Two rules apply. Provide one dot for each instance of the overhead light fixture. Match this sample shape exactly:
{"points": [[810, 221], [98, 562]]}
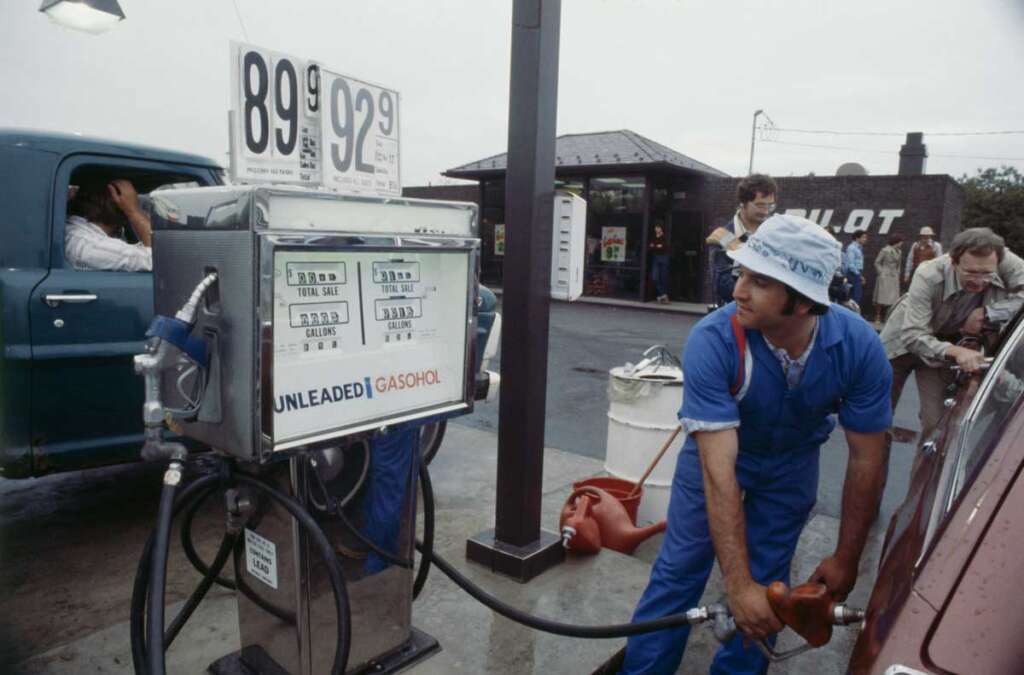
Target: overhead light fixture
{"points": [[91, 16]]}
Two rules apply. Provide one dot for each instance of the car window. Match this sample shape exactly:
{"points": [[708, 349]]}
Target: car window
{"points": [[1000, 394], [145, 182]]}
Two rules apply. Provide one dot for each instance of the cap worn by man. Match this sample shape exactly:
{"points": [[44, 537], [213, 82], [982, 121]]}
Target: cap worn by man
{"points": [[795, 251]]}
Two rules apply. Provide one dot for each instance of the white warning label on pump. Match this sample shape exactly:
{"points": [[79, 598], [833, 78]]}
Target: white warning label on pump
{"points": [[261, 558]]}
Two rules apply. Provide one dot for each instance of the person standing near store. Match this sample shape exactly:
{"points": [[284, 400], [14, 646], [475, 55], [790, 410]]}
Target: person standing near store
{"points": [[978, 283], [887, 276], [763, 380], [853, 265], [922, 250], [756, 197], [658, 247]]}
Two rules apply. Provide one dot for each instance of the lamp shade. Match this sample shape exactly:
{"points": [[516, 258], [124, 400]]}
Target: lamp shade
{"points": [[91, 16]]}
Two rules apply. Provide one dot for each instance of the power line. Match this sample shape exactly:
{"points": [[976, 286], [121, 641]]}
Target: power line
{"points": [[238, 13], [827, 147], [1000, 159], [893, 133], [889, 152]]}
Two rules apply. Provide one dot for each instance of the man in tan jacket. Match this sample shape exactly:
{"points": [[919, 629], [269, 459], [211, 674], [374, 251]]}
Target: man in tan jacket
{"points": [[978, 283]]}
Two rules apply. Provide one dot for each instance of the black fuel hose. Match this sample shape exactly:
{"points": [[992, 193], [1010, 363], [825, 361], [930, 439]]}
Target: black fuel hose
{"points": [[198, 491], [333, 565], [189, 547], [334, 506], [140, 587], [428, 556], [158, 567], [227, 545], [427, 551], [238, 584], [282, 615]]}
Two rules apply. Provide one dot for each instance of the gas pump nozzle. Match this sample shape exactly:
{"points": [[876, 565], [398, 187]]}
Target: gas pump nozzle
{"points": [[807, 609], [163, 334]]}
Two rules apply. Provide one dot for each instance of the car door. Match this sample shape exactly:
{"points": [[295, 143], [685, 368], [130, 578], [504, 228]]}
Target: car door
{"points": [[86, 327]]}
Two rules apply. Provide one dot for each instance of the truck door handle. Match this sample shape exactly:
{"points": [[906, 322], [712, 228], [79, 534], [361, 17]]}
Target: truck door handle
{"points": [[54, 299]]}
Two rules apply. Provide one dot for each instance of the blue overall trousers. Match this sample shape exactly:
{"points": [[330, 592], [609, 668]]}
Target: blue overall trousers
{"points": [[779, 492], [394, 463], [780, 431]]}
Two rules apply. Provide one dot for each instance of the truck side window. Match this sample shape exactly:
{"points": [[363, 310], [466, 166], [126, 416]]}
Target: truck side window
{"points": [[108, 217]]}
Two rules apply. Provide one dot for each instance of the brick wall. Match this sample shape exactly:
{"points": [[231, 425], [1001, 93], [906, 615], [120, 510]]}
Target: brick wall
{"points": [[469, 192], [883, 204]]}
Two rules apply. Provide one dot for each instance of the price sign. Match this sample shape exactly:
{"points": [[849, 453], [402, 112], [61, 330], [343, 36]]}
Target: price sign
{"points": [[360, 136], [277, 117], [296, 122]]}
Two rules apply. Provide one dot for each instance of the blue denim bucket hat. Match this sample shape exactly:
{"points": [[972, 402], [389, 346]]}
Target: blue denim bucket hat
{"points": [[795, 251]]}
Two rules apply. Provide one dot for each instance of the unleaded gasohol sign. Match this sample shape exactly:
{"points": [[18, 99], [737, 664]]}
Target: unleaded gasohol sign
{"points": [[298, 123]]}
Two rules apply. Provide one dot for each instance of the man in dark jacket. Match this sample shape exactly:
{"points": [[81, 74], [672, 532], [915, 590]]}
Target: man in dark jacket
{"points": [[756, 197]]}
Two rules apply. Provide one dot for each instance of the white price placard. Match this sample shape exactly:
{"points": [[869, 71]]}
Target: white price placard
{"points": [[277, 105], [299, 123], [360, 137]]}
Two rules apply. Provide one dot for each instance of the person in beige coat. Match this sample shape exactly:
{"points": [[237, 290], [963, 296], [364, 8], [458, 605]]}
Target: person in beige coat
{"points": [[977, 284], [887, 276]]}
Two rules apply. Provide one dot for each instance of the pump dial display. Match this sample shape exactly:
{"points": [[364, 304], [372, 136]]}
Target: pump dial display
{"points": [[398, 308], [318, 314], [315, 273], [396, 272]]}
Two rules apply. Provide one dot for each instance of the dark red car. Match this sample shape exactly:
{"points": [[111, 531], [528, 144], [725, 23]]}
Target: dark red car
{"points": [[950, 591]]}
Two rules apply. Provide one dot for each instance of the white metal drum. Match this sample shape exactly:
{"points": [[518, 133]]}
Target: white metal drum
{"points": [[642, 414]]}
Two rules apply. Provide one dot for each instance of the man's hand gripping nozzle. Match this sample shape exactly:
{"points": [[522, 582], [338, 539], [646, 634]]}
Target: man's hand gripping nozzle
{"points": [[806, 608]]}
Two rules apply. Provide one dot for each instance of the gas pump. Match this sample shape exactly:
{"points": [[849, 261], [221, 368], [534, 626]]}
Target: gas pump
{"points": [[317, 333], [306, 337]]}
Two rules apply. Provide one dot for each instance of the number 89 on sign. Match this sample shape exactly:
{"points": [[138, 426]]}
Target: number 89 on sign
{"points": [[278, 107]]}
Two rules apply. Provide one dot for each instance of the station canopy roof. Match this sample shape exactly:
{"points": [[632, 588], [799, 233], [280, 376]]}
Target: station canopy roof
{"points": [[602, 151]]}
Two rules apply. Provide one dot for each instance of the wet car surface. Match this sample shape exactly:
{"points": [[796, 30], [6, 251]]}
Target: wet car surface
{"points": [[947, 598]]}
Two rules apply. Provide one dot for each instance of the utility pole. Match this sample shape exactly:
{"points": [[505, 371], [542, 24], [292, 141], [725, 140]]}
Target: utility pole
{"points": [[753, 131]]}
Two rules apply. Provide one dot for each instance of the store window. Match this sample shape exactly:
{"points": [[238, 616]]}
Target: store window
{"points": [[492, 233], [573, 184], [615, 218]]}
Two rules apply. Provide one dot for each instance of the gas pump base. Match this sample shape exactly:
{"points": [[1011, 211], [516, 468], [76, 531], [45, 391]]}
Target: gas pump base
{"points": [[521, 563], [254, 661]]}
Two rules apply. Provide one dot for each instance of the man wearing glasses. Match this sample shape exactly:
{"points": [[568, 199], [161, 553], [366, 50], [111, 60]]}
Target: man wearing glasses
{"points": [[756, 197], [976, 285]]}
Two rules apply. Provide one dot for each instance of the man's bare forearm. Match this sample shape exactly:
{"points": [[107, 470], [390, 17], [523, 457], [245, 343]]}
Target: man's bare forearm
{"points": [[142, 226], [718, 450], [862, 492]]}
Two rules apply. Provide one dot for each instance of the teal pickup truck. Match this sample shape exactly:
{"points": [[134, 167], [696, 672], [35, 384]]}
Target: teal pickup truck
{"points": [[69, 397]]}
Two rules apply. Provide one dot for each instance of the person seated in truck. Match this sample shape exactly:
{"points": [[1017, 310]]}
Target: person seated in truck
{"points": [[98, 213]]}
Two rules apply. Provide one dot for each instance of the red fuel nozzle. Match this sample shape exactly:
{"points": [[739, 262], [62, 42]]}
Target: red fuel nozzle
{"points": [[810, 611]]}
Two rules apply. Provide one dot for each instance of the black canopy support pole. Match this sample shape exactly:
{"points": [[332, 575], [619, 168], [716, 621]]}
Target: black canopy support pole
{"points": [[517, 546]]}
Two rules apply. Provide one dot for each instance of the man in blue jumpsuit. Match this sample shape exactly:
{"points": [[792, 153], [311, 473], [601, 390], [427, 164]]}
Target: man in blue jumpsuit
{"points": [[763, 378]]}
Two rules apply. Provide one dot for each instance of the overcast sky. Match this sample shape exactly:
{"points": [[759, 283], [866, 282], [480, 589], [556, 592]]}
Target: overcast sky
{"points": [[688, 74]]}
